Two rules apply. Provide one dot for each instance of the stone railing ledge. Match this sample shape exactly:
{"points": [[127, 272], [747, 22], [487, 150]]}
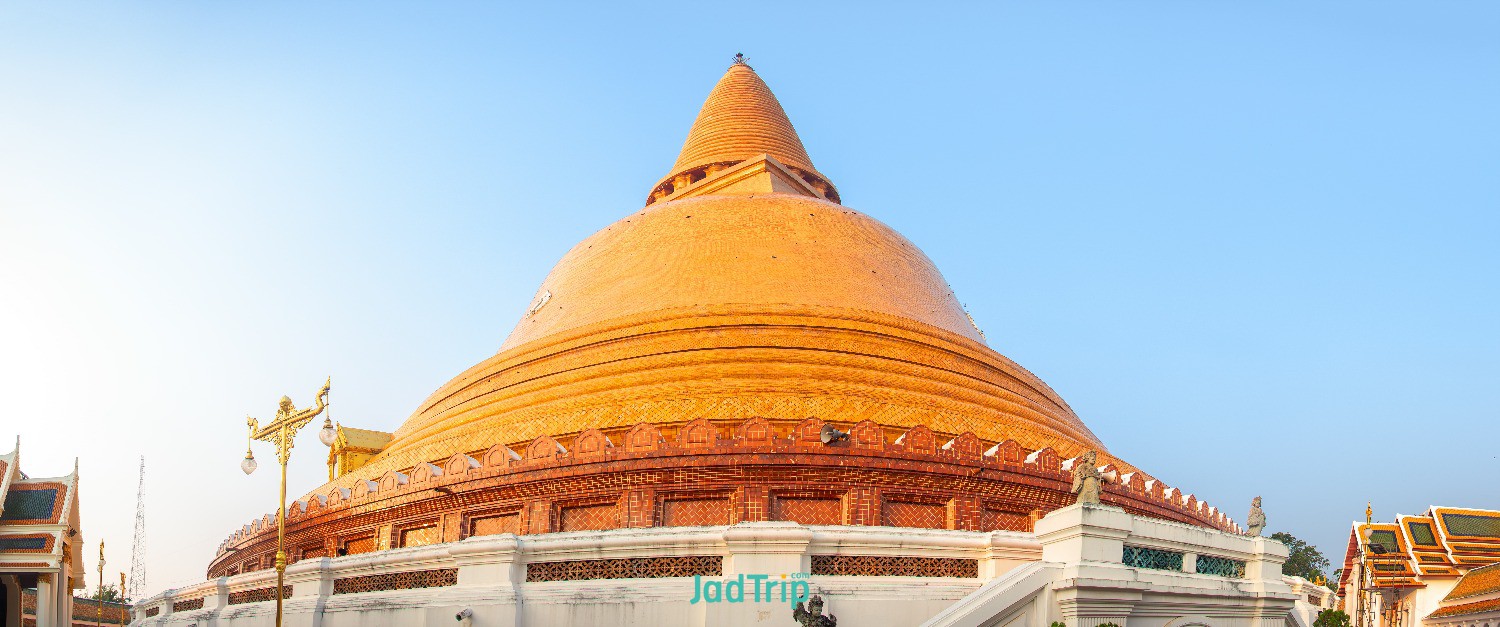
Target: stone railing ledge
{"points": [[493, 561], [393, 560], [767, 547], [773, 533], [898, 540], [473, 546], [624, 543]]}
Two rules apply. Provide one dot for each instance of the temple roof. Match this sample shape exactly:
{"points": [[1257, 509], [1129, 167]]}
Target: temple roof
{"points": [[1477, 592], [38, 520], [364, 440], [1443, 542], [1480, 581]]}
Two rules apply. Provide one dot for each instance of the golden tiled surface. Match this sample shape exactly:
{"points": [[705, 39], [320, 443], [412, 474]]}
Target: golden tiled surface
{"points": [[774, 249], [360, 545], [734, 362], [741, 119], [421, 536]]}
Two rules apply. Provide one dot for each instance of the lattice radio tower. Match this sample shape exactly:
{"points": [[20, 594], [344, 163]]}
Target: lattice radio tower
{"points": [[138, 546]]}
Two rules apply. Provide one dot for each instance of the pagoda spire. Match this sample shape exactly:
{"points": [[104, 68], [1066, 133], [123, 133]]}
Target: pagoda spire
{"points": [[740, 120]]}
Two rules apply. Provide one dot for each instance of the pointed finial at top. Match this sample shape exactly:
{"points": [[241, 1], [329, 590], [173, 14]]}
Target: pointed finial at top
{"points": [[740, 120], [1369, 512]]}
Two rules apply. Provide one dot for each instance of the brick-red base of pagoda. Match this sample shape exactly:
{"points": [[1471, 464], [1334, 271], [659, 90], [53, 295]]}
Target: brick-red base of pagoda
{"points": [[696, 481]]}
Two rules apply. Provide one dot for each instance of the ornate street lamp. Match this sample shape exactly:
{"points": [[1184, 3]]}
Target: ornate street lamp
{"points": [[289, 420], [99, 600], [124, 608]]}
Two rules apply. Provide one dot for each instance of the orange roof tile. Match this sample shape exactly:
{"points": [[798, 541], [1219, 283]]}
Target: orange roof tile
{"points": [[1483, 580], [1466, 608]]}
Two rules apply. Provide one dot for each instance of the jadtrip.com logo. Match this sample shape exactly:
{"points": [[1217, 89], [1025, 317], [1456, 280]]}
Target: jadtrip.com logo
{"points": [[789, 588]]}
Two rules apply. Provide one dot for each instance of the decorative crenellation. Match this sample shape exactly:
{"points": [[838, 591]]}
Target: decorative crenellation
{"points": [[627, 568], [1152, 559], [258, 595], [687, 179], [408, 580], [188, 605], [758, 437], [893, 566], [1221, 566]]}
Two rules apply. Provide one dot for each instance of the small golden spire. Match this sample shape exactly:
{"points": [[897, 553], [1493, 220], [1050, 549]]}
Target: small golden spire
{"points": [[740, 120], [1369, 512]]}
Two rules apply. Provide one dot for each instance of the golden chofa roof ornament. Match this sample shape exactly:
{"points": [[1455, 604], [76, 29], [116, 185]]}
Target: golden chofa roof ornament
{"points": [[740, 124]]}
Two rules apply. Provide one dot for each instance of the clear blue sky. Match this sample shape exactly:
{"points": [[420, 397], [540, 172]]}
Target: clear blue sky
{"points": [[1253, 244]]}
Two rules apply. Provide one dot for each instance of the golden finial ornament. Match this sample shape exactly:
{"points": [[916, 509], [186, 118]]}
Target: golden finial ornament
{"points": [[1369, 512]]}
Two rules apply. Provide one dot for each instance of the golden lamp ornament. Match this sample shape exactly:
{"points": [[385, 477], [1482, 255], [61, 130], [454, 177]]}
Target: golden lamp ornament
{"points": [[281, 432]]}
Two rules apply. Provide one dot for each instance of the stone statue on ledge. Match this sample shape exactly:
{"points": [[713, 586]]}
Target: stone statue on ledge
{"points": [[813, 615], [1256, 521], [1087, 479]]}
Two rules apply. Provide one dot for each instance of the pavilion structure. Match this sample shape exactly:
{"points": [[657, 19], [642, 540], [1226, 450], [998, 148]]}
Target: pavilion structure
{"points": [[41, 560], [1437, 567], [744, 378]]}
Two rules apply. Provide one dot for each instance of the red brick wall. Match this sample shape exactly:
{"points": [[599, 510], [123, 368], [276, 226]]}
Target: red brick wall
{"points": [[711, 475], [807, 510], [695, 512], [493, 525]]}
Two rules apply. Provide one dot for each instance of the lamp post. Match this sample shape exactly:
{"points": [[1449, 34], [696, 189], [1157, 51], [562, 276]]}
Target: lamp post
{"points": [[280, 433], [99, 598], [124, 609]]}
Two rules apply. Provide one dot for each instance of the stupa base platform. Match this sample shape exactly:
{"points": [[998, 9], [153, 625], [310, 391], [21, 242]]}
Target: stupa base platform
{"points": [[1082, 566]]}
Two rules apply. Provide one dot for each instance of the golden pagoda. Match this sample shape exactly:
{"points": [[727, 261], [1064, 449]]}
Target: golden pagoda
{"points": [[743, 348]]}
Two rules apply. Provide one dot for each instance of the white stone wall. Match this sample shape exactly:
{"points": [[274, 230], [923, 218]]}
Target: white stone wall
{"points": [[1069, 571]]}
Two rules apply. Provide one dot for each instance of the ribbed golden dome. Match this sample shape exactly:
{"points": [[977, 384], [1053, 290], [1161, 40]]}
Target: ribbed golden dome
{"points": [[724, 301], [779, 249]]}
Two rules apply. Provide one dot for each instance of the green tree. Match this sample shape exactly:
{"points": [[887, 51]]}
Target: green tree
{"points": [[109, 594], [1331, 618], [1305, 560]]}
